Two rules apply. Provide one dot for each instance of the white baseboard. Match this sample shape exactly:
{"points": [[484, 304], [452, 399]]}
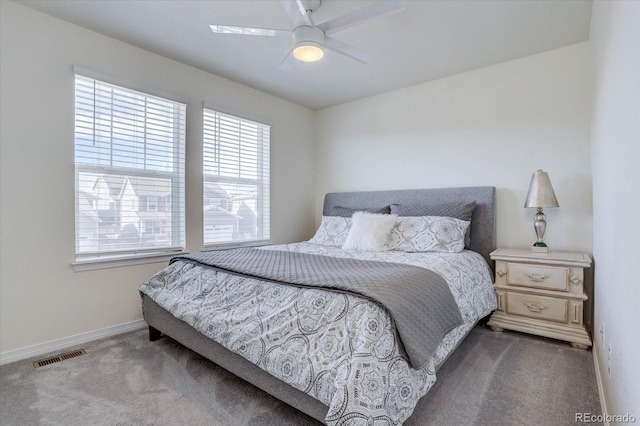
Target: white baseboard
{"points": [[67, 342], [603, 401]]}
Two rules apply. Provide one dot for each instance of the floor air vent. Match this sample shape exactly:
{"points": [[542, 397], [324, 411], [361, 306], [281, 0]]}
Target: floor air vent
{"points": [[58, 358]]}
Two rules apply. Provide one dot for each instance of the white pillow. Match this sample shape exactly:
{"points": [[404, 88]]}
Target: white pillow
{"points": [[369, 231], [428, 233], [333, 231]]}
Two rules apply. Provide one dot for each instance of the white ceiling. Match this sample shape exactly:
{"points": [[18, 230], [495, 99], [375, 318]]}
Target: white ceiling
{"points": [[427, 40]]}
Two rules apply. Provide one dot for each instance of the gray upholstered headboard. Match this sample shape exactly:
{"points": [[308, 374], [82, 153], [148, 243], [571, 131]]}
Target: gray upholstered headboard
{"points": [[483, 234]]}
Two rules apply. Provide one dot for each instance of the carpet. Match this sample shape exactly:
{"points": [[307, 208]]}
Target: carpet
{"points": [[492, 379]]}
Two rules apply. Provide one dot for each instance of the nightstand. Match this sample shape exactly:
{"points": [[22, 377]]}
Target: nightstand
{"points": [[541, 293]]}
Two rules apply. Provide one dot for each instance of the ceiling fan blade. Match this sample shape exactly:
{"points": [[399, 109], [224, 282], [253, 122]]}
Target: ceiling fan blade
{"points": [[228, 29], [288, 61], [347, 50], [293, 10], [306, 18], [360, 16], [296, 11]]}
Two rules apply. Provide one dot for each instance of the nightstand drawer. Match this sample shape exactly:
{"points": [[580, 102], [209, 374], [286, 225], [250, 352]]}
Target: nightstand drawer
{"points": [[533, 306], [547, 277]]}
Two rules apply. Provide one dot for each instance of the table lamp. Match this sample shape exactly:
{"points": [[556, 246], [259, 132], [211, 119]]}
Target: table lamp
{"points": [[540, 195]]}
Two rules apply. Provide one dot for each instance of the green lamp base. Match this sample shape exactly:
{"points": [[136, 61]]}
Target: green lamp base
{"points": [[539, 247]]}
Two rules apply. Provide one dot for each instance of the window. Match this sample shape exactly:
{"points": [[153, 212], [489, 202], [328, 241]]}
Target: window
{"points": [[236, 180], [129, 155], [152, 204]]}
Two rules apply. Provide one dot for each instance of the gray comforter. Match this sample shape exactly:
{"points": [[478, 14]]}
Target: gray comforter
{"points": [[419, 300]]}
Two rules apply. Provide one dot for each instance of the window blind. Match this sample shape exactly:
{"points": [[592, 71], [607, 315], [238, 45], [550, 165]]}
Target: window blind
{"points": [[129, 168], [236, 180]]}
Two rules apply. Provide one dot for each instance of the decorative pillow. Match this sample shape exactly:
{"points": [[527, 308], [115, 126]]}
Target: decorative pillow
{"points": [[462, 211], [428, 233], [369, 231], [348, 211], [333, 231]]}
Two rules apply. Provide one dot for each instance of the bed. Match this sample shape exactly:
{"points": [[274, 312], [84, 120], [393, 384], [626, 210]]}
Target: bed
{"points": [[300, 343]]}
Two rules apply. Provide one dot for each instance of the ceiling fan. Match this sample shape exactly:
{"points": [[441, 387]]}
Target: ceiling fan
{"points": [[310, 40]]}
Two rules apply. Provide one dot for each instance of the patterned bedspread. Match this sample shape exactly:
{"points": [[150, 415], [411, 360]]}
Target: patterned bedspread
{"points": [[339, 348], [420, 302]]}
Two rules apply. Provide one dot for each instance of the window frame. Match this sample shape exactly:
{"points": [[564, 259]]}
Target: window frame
{"points": [[263, 188], [89, 260]]}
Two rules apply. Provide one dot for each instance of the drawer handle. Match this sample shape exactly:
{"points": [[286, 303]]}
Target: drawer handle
{"points": [[536, 277], [534, 307]]}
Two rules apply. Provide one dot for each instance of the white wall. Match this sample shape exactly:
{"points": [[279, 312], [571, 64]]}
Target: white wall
{"points": [[615, 131], [42, 298], [493, 126]]}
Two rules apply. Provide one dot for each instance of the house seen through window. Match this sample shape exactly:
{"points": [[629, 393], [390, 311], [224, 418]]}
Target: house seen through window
{"points": [[129, 162], [236, 180]]}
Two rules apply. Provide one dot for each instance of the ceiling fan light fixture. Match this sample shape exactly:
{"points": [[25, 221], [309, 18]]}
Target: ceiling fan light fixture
{"points": [[308, 51], [308, 43]]}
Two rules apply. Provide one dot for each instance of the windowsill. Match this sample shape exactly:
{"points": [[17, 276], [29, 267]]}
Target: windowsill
{"points": [[104, 262], [226, 246]]}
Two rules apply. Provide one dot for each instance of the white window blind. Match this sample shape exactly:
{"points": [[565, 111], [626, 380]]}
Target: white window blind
{"points": [[236, 180], [129, 165]]}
